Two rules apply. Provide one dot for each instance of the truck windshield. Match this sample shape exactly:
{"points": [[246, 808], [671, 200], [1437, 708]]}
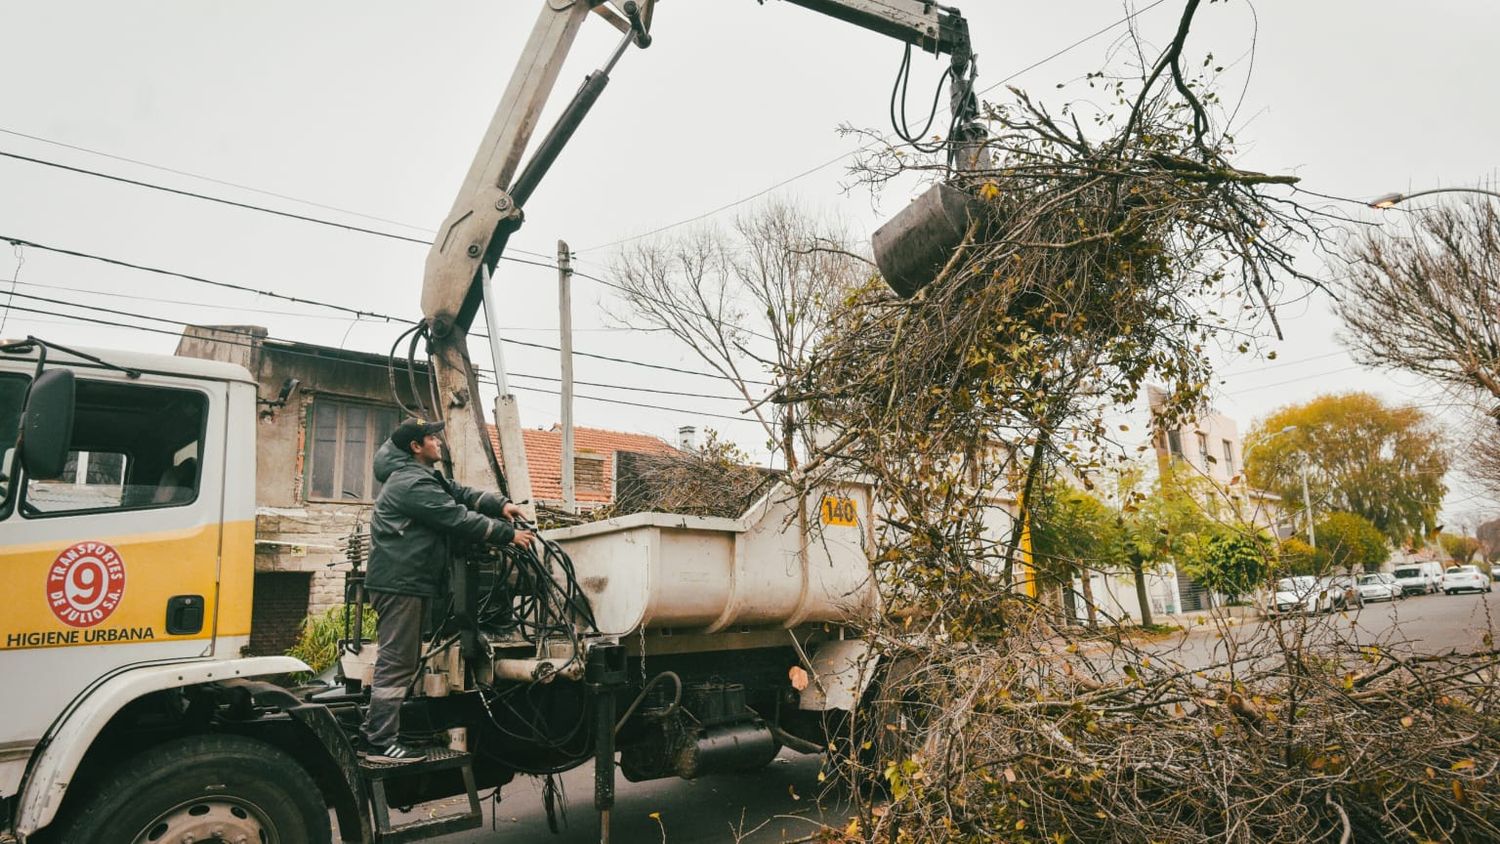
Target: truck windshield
{"points": [[1406, 572]]}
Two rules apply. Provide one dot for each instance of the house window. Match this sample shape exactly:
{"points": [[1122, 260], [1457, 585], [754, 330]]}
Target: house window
{"points": [[1203, 449], [1174, 443], [343, 439], [588, 473], [1228, 457]]}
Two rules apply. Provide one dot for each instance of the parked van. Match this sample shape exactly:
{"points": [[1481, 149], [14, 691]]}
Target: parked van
{"points": [[1422, 578]]}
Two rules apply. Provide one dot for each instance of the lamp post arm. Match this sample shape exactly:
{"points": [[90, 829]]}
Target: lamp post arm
{"points": [[1392, 199]]}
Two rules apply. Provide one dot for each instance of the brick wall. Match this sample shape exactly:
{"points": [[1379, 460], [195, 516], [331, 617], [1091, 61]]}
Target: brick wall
{"points": [[276, 616]]}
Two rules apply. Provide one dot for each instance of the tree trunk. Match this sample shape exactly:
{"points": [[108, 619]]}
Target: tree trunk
{"points": [[1140, 594], [1087, 578]]}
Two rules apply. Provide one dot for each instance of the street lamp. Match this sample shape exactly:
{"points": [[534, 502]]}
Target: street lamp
{"points": [[1390, 200], [1312, 536]]}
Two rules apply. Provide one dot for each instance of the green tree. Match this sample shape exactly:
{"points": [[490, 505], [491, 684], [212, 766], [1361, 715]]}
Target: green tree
{"points": [[1233, 562], [1170, 523], [1352, 543], [1460, 549], [1363, 456], [1297, 557], [1075, 534]]}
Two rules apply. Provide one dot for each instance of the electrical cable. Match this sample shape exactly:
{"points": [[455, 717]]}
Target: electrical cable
{"points": [[832, 161], [178, 335], [254, 336], [358, 313]]}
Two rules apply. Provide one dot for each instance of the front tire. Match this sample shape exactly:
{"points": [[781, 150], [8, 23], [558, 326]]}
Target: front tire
{"points": [[209, 787]]}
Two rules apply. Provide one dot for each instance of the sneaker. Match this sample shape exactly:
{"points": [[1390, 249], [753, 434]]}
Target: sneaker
{"points": [[363, 748], [397, 753]]}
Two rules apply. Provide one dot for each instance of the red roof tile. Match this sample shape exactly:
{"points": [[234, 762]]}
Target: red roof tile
{"points": [[544, 458]]}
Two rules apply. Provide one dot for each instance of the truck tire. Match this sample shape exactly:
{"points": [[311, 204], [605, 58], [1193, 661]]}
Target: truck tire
{"points": [[212, 787]]}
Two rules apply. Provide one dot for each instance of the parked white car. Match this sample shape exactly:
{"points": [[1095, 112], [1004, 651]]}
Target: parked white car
{"points": [[1303, 593], [1466, 579], [1419, 578], [1380, 587]]}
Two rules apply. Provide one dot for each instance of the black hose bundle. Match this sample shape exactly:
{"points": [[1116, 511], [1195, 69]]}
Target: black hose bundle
{"points": [[536, 596]]}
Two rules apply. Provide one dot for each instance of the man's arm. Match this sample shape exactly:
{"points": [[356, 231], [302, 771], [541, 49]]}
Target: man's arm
{"points": [[491, 504], [427, 502]]}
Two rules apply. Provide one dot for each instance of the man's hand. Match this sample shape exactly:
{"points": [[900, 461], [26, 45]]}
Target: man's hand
{"points": [[511, 511], [523, 538]]}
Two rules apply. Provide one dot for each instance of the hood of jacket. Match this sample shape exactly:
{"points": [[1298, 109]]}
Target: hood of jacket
{"points": [[389, 459]]}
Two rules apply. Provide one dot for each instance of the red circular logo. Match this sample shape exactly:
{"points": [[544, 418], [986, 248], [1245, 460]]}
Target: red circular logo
{"points": [[85, 584]]}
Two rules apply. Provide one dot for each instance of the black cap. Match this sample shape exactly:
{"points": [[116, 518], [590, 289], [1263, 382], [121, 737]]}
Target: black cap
{"points": [[413, 430]]}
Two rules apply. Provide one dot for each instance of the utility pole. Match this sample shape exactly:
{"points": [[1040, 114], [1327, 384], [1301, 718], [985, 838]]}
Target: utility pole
{"points": [[565, 321], [507, 412], [1312, 536]]}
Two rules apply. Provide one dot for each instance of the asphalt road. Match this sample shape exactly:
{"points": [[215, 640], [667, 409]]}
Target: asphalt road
{"points": [[780, 803], [1428, 624], [777, 803]]}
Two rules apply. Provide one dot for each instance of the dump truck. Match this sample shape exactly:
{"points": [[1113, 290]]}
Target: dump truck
{"points": [[659, 644]]}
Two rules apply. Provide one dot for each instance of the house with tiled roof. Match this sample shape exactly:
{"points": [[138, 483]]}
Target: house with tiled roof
{"points": [[595, 459]]}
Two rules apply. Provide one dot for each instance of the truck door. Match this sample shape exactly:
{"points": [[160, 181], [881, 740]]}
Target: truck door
{"points": [[115, 561]]}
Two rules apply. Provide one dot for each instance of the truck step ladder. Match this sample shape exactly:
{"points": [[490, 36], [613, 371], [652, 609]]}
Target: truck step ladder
{"points": [[376, 774]]}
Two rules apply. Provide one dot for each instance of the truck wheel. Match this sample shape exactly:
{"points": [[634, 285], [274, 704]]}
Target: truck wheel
{"points": [[203, 788]]}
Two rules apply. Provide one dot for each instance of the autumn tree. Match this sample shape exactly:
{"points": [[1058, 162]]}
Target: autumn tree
{"points": [[1459, 548], [1296, 557], [1383, 462], [1352, 543]]}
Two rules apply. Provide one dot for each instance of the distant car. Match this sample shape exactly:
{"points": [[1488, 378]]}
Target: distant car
{"points": [[1466, 579], [1380, 587], [1495, 572], [1301, 594], [1343, 592], [1419, 578]]}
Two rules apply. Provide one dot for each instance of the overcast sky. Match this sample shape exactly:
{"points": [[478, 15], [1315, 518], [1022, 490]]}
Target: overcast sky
{"points": [[376, 108]]}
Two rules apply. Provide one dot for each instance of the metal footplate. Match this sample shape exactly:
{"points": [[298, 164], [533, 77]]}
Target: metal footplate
{"points": [[376, 774]]}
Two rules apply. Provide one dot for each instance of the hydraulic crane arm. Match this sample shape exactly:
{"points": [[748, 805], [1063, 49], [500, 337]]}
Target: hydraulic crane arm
{"points": [[488, 208]]}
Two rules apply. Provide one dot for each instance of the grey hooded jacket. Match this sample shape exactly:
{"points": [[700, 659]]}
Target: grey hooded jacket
{"points": [[417, 515]]}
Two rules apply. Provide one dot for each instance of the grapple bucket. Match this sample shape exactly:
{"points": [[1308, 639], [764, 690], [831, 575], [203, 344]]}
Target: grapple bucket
{"points": [[913, 246]]}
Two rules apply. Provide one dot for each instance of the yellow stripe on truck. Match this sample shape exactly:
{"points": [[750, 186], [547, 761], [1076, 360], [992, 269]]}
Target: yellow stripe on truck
{"points": [[114, 589]]}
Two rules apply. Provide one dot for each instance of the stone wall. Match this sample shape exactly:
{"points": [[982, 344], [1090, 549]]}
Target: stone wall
{"points": [[309, 539]]}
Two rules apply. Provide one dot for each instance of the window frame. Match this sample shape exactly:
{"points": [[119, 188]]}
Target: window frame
{"points": [[15, 482], [373, 444], [202, 439]]}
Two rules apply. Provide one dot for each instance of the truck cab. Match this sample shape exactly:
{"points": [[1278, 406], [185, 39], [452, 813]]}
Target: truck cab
{"points": [[129, 561]]}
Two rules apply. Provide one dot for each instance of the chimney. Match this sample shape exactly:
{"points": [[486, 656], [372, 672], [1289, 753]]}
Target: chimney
{"points": [[687, 438]]}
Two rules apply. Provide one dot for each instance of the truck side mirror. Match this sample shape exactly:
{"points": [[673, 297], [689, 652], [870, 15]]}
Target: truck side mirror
{"points": [[47, 424]]}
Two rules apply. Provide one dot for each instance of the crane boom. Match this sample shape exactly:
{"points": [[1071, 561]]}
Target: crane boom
{"points": [[489, 205]]}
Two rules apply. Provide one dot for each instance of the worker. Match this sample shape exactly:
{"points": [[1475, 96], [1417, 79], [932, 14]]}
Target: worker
{"points": [[417, 515]]}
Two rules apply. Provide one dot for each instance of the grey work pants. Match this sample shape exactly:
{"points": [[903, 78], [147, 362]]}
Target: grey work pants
{"points": [[399, 634]]}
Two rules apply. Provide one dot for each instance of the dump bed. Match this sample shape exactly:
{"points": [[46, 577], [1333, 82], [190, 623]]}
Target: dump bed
{"points": [[706, 575]]}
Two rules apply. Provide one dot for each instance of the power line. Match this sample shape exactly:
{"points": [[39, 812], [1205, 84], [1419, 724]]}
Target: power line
{"points": [[151, 318], [242, 309], [223, 182], [545, 264], [884, 138], [178, 334], [356, 312]]}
